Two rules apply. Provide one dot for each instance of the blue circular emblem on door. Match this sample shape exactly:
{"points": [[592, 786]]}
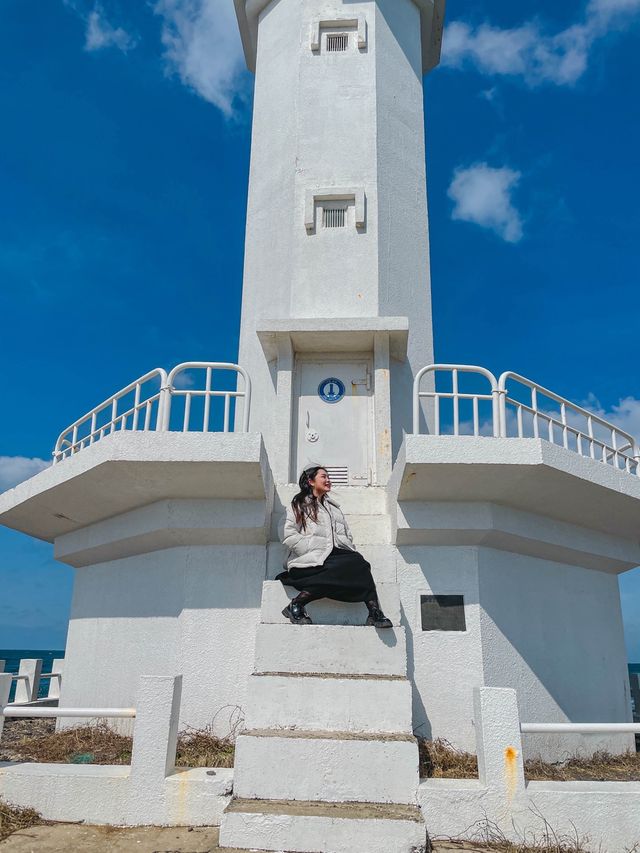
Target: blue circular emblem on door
{"points": [[331, 390]]}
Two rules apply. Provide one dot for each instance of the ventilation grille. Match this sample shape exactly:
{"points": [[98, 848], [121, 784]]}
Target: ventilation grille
{"points": [[334, 217], [337, 43], [338, 476]]}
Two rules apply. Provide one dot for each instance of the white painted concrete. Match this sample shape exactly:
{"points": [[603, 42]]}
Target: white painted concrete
{"points": [[327, 768], [151, 791], [373, 102], [331, 649], [525, 474], [329, 704], [191, 611], [275, 597], [312, 834], [127, 470], [606, 815], [28, 680]]}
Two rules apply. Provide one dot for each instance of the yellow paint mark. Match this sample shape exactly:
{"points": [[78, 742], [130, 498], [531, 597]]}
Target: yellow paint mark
{"points": [[511, 770], [179, 805]]}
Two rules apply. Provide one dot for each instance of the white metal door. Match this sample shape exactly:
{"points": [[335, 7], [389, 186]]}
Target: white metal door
{"points": [[334, 419]]}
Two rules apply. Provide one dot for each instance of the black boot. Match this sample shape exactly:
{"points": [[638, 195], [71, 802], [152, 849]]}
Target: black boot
{"points": [[296, 614], [377, 619]]}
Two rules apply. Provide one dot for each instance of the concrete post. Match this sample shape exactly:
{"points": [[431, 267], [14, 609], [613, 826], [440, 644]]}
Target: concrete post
{"points": [[155, 733], [2, 663], [499, 742], [55, 682], [27, 688], [5, 687]]}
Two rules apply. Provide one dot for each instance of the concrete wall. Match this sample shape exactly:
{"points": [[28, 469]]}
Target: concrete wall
{"points": [[554, 633], [550, 631], [322, 120], [191, 611]]}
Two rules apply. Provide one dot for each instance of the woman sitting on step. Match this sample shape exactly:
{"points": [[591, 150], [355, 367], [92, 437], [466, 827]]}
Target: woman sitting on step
{"points": [[322, 561]]}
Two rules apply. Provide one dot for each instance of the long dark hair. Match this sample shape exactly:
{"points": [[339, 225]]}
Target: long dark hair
{"points": [[305, 503]]}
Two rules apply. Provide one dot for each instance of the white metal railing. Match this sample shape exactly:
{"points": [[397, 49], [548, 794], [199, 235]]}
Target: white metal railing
{"points": [[146, 405], [136, 406], [562, 422], [517, 407], [456, 396], [580, 728], [207, 393], [25, 711]]}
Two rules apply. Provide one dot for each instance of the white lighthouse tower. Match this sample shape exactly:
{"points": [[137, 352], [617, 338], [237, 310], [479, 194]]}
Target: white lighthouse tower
{"points": [[496, 514], [337, 248]]}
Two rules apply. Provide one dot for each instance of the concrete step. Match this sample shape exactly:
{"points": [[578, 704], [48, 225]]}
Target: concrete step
{"points": [[329, 703], [275, 598], [308, 827], [337, 649], [353, 500], [333, 767], [382, 558]]}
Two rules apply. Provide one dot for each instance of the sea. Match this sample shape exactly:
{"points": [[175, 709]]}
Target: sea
{"points": [[12, 658]]}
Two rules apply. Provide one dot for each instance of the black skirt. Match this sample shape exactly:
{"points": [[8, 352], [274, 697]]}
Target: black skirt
{"points": [[344, 576]]}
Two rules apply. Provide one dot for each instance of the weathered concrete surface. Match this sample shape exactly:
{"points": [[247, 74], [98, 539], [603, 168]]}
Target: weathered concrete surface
{"points": [[64, 837]]}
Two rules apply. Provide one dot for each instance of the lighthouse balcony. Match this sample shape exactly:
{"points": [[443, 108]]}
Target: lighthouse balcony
{"points": [[506, 463], [171, 451]]}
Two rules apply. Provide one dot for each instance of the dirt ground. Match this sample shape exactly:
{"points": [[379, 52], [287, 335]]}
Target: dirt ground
{"points": [[71, 838]]}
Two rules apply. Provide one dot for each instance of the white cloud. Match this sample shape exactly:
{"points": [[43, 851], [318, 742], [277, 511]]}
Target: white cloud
{"points": [[483, 195], [15, 469], [625, 415], [101, 34], [531, 53], [202, 45]]}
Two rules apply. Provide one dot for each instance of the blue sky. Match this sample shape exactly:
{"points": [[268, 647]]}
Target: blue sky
{"points": [[123, 165]]}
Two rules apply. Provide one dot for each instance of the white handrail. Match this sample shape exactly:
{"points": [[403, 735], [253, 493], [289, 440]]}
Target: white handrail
{"points": [[580, 728], [613, 450], [26, 711], [455, 395], [573, 427], [69, 442], [207, 392], [152, 412]]}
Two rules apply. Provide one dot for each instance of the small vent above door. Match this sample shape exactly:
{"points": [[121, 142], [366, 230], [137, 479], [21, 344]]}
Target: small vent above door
{"points": [[338, 476], [334, 217], [337, 42]]}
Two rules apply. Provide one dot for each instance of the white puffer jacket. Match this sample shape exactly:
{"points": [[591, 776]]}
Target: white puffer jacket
{"points": [[312, 546]]}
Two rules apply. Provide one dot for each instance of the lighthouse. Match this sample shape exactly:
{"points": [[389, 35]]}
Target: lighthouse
{"points": [[495, 513], [336, 280]]}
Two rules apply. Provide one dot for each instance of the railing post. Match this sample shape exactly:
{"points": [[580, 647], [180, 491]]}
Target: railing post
{"points": [[499, 742], [27, 687], [55, 682], [2, 663], [155, 733], [164, 408], [5, 687]]}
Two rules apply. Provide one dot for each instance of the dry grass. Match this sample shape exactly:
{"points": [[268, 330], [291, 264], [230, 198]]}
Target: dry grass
{"points": [[201, 748], [440, 760], [486, 835], [599, 767], [13, 818], [37, 740]]}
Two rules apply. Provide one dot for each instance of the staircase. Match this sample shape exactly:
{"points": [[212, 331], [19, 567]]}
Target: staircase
{"points": [[327, 762]]}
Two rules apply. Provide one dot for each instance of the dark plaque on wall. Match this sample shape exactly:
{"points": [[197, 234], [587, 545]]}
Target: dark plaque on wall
{"points": [[442, 613]]}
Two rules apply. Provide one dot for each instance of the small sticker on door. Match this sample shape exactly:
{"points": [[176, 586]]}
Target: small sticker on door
{"points": [[331, 390]]}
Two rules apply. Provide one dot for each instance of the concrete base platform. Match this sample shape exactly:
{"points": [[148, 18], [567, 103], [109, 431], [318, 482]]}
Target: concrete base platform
{"points": [[310, 827], [332, 703], [338, 767]]}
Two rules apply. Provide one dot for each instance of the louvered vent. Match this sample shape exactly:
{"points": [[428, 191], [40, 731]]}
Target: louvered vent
{"points": [[337, 42], [338, 476], [333, 217]]}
